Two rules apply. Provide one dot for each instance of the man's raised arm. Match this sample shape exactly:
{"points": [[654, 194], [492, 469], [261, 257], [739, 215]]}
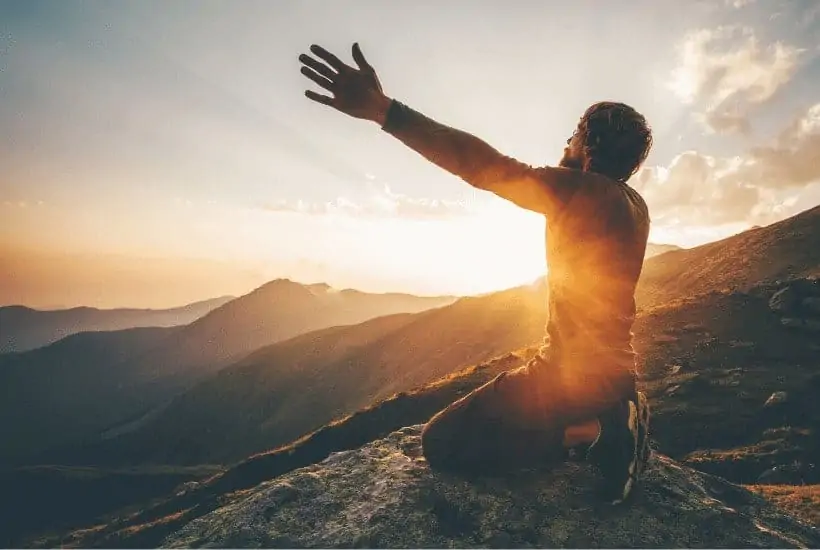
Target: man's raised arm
{"points": [[541, 190], [358, 93]]}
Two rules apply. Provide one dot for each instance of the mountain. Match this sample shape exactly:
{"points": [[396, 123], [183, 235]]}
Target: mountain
{"points": [[709, 365], [26, 328], [276, 311], [55, 393], [786, 249], [70, 391], [655, 249], [291, 388], [287, 389]]}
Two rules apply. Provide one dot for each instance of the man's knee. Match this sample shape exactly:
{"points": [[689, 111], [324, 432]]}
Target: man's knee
{"points": [[448, 433]]}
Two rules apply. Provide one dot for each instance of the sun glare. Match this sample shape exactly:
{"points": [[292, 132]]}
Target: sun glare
{"points": [[501, 246]]}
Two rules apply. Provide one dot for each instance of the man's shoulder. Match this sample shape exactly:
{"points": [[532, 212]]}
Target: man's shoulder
{"points": [[591, 185], [596, 194]]}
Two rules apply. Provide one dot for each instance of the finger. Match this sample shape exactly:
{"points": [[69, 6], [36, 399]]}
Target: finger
{"points": [[320, 68], [317, 78], [331, 59], [319, 98], [358, 57]]}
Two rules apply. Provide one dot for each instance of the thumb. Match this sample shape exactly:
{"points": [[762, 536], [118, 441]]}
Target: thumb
{"points": [[358, 57]]}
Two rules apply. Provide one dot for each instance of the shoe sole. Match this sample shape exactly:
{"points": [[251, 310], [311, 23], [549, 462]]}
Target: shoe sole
{"points": [[638, 424]]}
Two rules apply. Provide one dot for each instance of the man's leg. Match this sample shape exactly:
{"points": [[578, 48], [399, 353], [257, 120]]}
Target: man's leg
{"points": [[529, 417], [498, 427]]}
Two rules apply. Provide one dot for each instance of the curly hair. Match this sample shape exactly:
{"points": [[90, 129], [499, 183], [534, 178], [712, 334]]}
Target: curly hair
{"points": [[616, 139]]}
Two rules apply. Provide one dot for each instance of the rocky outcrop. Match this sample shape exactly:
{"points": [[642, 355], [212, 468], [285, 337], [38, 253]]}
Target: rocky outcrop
{"points": [[797, 303], [384, 495]]}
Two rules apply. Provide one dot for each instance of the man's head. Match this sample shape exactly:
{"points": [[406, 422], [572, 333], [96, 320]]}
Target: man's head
{"points": [[611, 139]]}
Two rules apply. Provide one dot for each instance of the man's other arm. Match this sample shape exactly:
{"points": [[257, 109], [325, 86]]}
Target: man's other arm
{"points": [[543, 190]]}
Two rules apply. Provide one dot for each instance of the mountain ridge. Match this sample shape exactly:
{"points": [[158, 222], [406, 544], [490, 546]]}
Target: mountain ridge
{"points": [[26, 328], [154, 373]]}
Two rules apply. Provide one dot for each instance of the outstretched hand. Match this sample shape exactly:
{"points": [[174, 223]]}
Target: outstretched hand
{"points": [[355, 92]]}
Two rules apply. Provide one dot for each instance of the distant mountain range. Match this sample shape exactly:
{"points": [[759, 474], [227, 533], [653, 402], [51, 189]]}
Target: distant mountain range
{"points": [[91, 382], [294, 386], [286, 389], [25, 328]]}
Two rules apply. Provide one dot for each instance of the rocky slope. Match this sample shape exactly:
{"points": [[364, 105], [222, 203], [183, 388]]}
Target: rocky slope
{"points": [[787, 249], [384, 496]]}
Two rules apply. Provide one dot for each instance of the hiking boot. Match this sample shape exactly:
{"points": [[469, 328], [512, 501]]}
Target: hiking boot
{"points": [[621, 451]]}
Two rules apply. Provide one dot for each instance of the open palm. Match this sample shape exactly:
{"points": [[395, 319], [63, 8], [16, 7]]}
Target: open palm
{"points": [[355, 92]]}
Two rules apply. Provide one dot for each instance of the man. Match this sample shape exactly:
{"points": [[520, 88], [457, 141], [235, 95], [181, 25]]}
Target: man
{"points": [[580, 389]]}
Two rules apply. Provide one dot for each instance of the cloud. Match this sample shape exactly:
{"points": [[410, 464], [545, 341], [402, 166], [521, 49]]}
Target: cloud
{"points": [[759, 187], [739, 3], [727, 72], [385, 204]]}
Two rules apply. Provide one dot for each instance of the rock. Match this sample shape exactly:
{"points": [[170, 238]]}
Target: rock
{"points": [[383, 495], [799, 298], [675, 369], [776, 398], [785, 300]]}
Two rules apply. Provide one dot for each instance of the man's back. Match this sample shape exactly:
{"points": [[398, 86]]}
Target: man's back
{"points": [[595, 251]]}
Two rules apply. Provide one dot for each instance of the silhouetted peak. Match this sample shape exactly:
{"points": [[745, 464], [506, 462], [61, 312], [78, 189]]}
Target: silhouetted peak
{"points": [[277, 291], [320, 288]]}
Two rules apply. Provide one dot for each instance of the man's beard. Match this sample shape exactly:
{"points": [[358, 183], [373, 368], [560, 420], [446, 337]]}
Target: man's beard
{"points": [[570, 162]]}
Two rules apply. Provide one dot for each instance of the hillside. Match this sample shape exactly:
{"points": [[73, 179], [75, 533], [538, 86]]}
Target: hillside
{"points": [[701, 358], [698, 358], [287, 389], [45, 498], [26, 328], [276, 311], [69, 391], [58, 392], [783, 250]]}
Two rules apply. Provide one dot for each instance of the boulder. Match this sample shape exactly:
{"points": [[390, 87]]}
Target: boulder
{"points": [[384, 495], [785, 300], [776, 398]]}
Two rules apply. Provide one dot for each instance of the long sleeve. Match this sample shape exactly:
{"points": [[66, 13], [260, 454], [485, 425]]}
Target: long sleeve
{"points": [[544, 190]]}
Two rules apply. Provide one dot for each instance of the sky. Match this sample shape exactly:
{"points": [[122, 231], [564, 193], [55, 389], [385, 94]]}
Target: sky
{"points": [[176, 135]]}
